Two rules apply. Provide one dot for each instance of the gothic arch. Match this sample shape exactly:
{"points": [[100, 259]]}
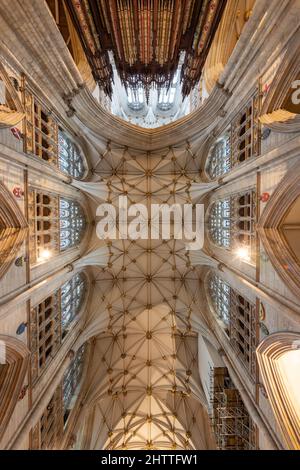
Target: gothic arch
{"points": [[12, 112], [236, 15], [12, 375], [13, 228], [278, 112], [279, 358], [279, 229]]}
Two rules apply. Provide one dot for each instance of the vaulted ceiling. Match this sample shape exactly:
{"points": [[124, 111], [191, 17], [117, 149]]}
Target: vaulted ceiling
{"points": [[146, 37], [143, 386]]}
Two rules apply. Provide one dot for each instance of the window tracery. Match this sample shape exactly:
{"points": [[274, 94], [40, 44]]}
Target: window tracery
{"points": [[232, 223], [72, 298], [45, 333], [47, 433], [238, 144], [71, 381], [72, 223], [239, 318], [70, 160], [219, 293], [41, 129], [49, 430], [220, 223], [166, 96], [44, 225], [50, 321], [45, 139], [136, 99], [219, 160], [56, 224], [245, 133]]}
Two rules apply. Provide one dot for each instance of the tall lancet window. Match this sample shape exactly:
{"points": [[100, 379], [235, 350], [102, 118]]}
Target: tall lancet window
{"points": [[245, 131], [56, 224], [239, 319], [136, 99], [72, 298], [72, 223], [166, 96], [219, 293], [220, 223], [45, 333], [50, 321], [219, 161], [70, 160], [71, 381], [44, 225], [232, 224], [41, 129]]}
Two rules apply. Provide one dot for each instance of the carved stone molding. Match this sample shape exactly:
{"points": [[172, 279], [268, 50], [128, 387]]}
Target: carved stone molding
{"points": [[12, 375], [275, 113], [269, 353], [13, 229], [271, 234]]}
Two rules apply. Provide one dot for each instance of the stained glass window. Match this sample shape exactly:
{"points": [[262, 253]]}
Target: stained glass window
{"points": [[45, 333], [219, 161], [48, 432], [72, 380], [72, 224], [41, 129], [220, 223], [44, 225], [239, 317], [243, 334], [245, 133], [220, 295], [136, 99], [70, 160], [72, 297], [232, 223]]}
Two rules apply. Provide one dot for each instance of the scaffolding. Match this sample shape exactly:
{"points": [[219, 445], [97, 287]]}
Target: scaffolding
{"points": [[231, 423]]}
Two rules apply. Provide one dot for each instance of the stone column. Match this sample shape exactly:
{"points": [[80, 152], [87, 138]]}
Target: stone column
{"points": [[26, 292], [36, 412]]}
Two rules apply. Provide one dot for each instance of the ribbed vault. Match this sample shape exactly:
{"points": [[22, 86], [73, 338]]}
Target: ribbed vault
{"points": [[144, 390]]}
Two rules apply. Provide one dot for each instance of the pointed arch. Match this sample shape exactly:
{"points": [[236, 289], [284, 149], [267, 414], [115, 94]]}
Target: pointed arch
{"points": [[279, 361], [13, 112], [279, 229], [12, 375], [279, 112], [13, 229]]}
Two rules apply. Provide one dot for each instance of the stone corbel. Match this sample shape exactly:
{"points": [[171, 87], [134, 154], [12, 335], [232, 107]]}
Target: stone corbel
{"points": [[224, 90], [69, 97]]}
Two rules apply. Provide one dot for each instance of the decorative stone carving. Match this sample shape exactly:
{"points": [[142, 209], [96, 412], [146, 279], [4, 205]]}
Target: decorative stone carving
{"points": [[13, 229]]}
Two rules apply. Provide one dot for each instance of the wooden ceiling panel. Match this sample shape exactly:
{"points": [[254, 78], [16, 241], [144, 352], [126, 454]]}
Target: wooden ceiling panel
{"points": [[146, 38]]}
